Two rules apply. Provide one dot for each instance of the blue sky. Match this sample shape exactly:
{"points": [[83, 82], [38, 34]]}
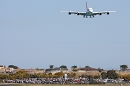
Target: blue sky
{"points": [[34, 34]]}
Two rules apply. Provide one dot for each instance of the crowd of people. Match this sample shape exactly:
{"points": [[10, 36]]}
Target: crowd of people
{"points": [[47, 81], [60, 81]]}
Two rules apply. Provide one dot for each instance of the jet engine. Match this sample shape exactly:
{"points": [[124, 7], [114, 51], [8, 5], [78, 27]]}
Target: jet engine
{"points": [[77, 13], [69, 13], [108, 13]]}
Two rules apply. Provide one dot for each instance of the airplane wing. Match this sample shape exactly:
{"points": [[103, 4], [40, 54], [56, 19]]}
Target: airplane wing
{"points": [[74, 12], [103, 12]]}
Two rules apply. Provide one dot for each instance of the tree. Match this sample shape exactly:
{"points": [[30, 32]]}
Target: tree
{"points": [[13, 66], [74, 66], [111, 74], [3, 76], [12, 76], [59, 74], [51, 66], [100, 70], [87, 67], [63, 66], [104, 75], [21, 74], [123, 67], [71, 75]]}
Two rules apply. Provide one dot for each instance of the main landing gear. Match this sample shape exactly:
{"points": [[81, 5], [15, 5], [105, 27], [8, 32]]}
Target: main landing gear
{"points": [[91, 16], [85, 16]]}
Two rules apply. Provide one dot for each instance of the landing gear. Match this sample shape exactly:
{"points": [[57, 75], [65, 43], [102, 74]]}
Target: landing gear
{"points": [[91, 16], [84, 16]]}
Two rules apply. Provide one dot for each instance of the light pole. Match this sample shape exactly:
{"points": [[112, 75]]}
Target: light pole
{"points": [[120, 78]]}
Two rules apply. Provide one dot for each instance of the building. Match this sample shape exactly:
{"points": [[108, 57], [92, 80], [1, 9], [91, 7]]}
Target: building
{"points": [[2, 69]]}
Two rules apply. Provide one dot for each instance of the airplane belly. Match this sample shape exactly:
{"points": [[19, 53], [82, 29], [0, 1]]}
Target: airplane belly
{"points": [[88, 14]]}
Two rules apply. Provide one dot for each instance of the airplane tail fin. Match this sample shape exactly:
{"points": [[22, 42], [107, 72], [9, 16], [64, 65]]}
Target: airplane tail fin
{"points": [[86, 6]]}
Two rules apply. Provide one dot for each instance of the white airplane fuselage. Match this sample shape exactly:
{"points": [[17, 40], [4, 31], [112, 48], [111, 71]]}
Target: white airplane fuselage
{"points": [[89, 12]]}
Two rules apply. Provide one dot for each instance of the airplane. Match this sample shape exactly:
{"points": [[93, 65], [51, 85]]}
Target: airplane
{"points": [[89, 12]]}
